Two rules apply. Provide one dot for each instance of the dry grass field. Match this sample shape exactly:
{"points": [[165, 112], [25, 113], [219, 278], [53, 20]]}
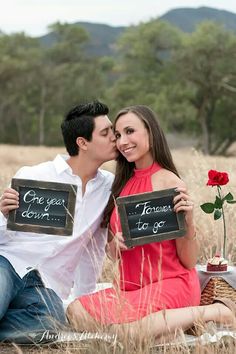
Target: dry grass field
{"points": [[193, 168]]}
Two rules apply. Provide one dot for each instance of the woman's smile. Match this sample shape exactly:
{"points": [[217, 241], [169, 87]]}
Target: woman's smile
{"points": [[132, 140]]}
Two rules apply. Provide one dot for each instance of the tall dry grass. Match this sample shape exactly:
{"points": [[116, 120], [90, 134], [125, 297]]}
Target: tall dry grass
{"points": [[193, 167]]}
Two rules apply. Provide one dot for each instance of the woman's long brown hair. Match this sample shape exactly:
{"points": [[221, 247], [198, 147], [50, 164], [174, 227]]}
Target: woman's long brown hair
{"points": [[159, 149]]}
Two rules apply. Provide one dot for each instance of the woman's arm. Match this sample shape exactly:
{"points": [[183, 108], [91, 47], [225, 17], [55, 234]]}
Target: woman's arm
{"points": [[115, 245], [187, 246]]}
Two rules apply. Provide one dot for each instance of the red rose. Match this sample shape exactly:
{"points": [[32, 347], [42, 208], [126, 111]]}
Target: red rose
{"points": [[217, 178]]}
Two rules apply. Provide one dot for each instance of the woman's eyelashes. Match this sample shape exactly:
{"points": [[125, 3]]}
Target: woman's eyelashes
{"points": [[128, 131], [117, 135]]}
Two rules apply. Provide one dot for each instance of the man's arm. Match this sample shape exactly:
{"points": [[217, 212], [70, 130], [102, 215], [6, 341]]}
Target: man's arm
{"points": [[90, 263]]}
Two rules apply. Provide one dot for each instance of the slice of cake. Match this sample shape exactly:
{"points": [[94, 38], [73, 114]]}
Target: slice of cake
{"points": [[217, 264]]}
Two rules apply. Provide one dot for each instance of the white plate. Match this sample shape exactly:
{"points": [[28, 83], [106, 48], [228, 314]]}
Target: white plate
{"points": [[203, 269]]}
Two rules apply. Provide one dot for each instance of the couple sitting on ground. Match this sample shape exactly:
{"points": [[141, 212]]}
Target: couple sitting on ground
{"points": [[158, 288]]}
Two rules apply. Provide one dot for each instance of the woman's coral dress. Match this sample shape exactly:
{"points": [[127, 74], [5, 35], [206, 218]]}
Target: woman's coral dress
{"points": [[151, 276]]}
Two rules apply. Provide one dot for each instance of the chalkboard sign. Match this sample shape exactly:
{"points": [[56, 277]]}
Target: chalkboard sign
{"points": [[149, 217], [44, 207]]}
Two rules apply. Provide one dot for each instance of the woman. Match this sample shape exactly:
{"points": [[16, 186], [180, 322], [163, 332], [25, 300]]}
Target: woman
{"points": [[157, 276]]}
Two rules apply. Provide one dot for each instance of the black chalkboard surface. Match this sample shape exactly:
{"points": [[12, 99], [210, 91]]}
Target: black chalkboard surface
{"points": [[149, 217], [44, 207]]}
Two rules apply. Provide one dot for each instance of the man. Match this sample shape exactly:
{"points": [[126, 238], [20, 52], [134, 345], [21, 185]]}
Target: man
{"points": [[37, 270]]}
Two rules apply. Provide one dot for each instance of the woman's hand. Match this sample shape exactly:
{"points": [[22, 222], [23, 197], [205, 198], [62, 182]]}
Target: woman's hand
{"points": [[120, 244], [183, 202], [9, 201], [116, 246]]}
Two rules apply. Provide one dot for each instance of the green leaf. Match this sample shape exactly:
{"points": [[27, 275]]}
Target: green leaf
{"points": [[208, 207], [218, 203], [228, 197], [217, 214], [231, 201]]}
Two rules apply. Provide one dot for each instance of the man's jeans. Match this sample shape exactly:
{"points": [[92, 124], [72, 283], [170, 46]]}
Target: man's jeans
{"points": [[26, 306]]}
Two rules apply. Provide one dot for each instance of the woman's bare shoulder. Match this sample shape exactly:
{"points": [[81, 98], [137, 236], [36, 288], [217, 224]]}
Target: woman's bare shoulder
{"points": [[164, 179]]}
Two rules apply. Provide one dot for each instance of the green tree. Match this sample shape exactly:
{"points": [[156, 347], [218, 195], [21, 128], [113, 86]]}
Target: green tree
{"points": [[19, 54], [206, 64], [69, 76], [144, 62], [38, 84]]}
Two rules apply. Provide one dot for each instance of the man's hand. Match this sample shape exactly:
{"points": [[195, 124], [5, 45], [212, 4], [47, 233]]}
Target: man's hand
{"points": [[9, 201]]}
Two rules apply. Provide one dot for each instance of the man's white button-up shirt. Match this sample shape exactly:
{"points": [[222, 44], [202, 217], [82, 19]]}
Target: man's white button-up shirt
{"points": [[63, 261]]}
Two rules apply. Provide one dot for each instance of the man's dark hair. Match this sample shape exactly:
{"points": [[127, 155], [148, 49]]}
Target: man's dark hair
{"points": [[79, 122]]}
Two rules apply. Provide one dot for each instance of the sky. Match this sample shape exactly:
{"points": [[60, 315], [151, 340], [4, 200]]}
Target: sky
{"points": [[34, 16]]}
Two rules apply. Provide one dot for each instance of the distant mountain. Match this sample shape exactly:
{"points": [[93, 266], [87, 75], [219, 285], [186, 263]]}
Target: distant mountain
{"points": [[103, 37], [188, 18]]}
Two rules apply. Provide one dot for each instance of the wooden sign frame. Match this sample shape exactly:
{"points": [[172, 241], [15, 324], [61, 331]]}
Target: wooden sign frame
{"points": [[38, 227], [131, 241]]}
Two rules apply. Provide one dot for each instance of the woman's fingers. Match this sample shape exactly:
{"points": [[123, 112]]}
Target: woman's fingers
{"points": [[182, 201], [184, 206], [181, 196], [119, 236], [120, 241]]}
